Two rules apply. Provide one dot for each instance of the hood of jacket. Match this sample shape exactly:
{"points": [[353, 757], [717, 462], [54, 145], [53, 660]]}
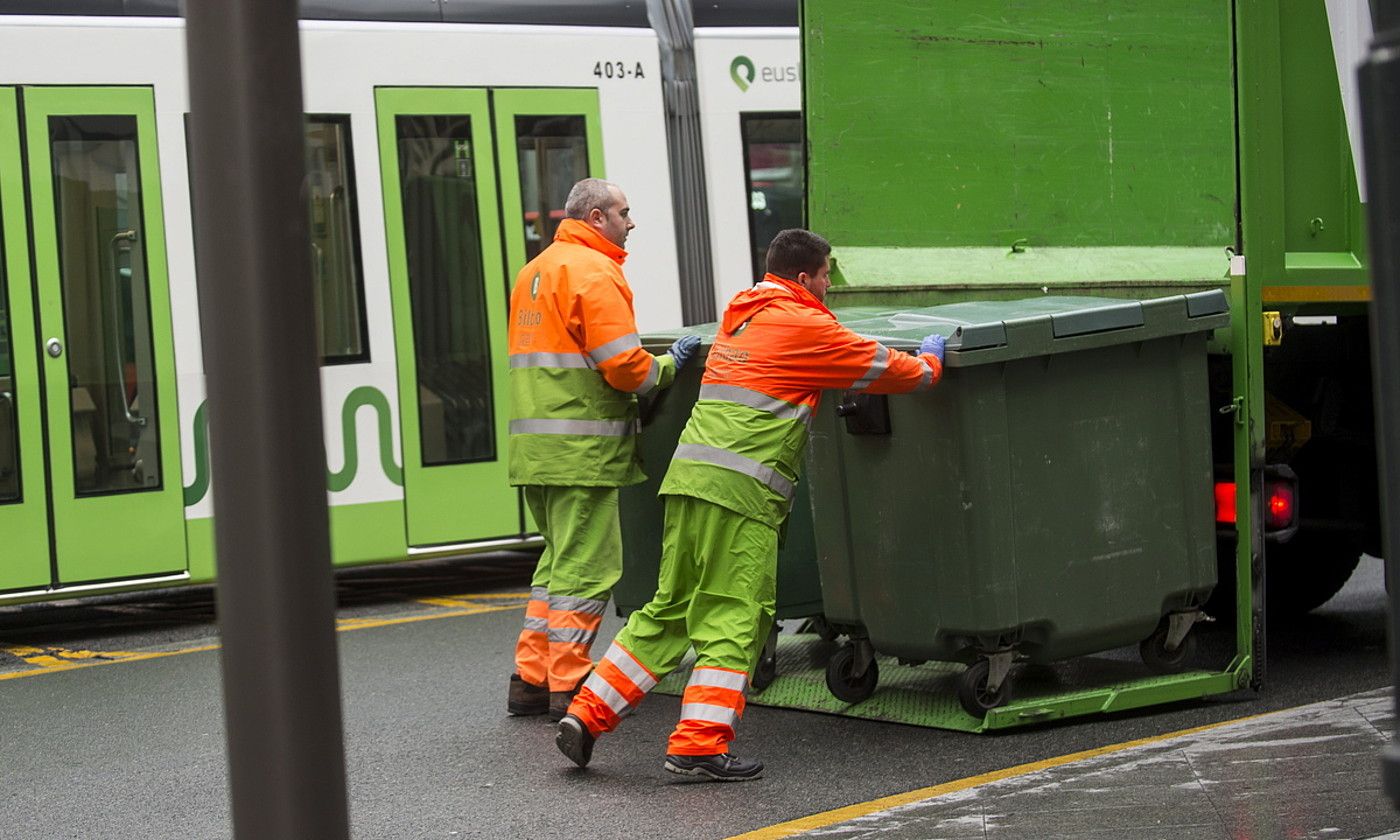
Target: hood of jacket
{"points": [[771, 290]]}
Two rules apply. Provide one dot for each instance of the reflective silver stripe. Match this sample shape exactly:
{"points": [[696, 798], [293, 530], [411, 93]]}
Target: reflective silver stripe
{"points": [[597, 428], [606, 351], [781, 409], [738, 463], [550, 360], [649, 381], [630, 668], [767, 284], [877, 367], [718, 678], [574, 604], [539, 593], [607, 694], [572, 635], [709, 713], [925, 381], [536, 624]]}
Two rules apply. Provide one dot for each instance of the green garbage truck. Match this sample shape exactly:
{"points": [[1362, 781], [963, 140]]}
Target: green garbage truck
{"points": [[966, 152]]}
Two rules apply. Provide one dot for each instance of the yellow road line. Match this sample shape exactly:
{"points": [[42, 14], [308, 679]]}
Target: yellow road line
{"points": [[50, 657], [861, 809], [52, 660], [455, 601], [134, 657]]}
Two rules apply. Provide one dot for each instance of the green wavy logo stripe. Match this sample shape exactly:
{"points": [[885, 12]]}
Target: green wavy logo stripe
{"points": [[195, 491], [363, 396], [742, 71]]}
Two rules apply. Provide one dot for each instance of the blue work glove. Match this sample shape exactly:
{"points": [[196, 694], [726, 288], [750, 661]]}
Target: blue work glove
{"points": [[933, 345], [684, 350]]}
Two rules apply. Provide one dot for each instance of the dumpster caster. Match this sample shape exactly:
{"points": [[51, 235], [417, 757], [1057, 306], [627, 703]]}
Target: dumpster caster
{"points": [[1171, 646], [767, 668], [842, 679], [980, 689], [818, 624]]}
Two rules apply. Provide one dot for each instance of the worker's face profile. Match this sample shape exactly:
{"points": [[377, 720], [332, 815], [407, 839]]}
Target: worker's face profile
{"points": [[817, 283], [615, 221]]}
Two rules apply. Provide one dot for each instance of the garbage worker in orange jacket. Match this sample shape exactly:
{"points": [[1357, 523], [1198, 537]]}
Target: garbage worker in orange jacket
{"points": [[576, 369], [727, 491]]}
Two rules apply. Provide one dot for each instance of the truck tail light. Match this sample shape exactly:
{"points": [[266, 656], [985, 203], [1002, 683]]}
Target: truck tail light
{"points": [[1280, 502], [1280, 505], [1225, 502]]}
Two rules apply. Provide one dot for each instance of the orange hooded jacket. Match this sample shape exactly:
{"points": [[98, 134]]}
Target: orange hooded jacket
{"points": [[778, 348], [577, 365]]}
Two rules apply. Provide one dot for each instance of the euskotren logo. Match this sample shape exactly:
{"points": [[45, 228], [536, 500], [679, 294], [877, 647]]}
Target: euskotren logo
{"points": [[741, 70], [746, 74]]}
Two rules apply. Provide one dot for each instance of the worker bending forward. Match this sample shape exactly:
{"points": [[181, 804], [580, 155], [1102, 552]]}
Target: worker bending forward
{"points": [[576, 369], [728, 489]]}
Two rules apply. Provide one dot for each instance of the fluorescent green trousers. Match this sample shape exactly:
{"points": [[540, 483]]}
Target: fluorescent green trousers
{"points": [[581, 562], [715, 592]]}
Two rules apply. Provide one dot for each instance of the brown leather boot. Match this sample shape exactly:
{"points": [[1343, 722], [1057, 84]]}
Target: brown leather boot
{"points": [[559, 702], [527, 698]]}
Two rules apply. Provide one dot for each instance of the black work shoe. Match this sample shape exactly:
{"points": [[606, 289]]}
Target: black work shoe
{"points": [[574, 740], [559, 703], [526, 698], [721, 768]]}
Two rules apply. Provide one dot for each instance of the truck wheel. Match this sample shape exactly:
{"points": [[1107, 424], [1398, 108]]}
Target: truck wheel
{"points": [[1162, 661], [1305, 572], [839, 681], [976, 700]]}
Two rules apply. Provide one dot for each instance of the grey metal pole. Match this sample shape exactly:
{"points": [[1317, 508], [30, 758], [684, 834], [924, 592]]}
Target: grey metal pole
{"points": [[275, 595], [1379, 78]]}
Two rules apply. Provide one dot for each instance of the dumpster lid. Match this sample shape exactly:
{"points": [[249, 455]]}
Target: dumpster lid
{"points": [[1031, 326], [1024, 327]]}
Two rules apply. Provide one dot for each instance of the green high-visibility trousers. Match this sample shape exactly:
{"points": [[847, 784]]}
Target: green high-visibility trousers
{"points": [[581, 562], [715, 592]]}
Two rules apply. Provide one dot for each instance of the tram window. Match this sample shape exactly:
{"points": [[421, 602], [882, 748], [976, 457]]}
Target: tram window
{"points": [[334, 229], [106, 311], [775, 173], [335, 240], [9, 419], [447, 289], [553, 152]]}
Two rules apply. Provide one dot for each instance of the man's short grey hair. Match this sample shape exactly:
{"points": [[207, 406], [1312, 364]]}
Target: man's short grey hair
{"points": [[587, 194]]}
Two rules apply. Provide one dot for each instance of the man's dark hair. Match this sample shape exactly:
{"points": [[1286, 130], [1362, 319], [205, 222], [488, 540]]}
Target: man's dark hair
{"points": [[794, 251]]}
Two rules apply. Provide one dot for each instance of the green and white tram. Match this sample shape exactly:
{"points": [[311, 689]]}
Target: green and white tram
{"points": [[441, 140]]}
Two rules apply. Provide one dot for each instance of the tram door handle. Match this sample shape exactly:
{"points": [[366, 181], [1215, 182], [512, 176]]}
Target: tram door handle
{"points": [[54, 347]]}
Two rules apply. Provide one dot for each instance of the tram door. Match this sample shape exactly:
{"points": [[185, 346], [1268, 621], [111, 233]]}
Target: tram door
{"points": [[89, 452], [456, 237]]}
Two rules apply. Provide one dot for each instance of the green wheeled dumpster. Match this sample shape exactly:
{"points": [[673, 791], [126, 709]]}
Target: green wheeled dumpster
{"points": [[642, 511], [1050, 498]]}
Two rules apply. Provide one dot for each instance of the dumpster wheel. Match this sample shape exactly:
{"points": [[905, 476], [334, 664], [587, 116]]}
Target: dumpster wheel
{"points": [[766, 669], [973, 693], [840, 678], [1159, 659]]}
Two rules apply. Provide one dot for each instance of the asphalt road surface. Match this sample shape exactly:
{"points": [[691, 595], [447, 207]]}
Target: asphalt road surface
{"points": [[134, 746]]}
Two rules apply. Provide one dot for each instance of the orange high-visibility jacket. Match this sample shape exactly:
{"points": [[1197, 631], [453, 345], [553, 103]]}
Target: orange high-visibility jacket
{"points": [[577, 366], [778, 348]]}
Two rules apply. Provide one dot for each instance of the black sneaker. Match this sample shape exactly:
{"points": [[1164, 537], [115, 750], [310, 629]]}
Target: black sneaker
{"points": [[574, 740], [721, 768], [526, 698]]}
